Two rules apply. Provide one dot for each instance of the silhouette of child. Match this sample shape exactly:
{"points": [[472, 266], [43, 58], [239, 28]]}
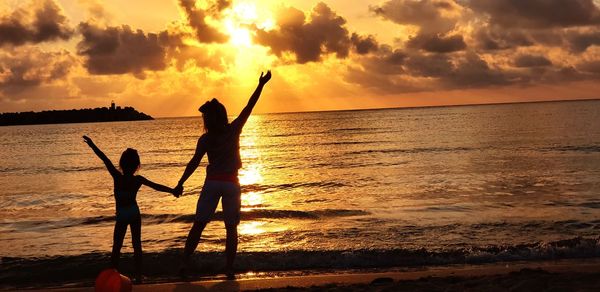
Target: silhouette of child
{"points": [[126, 186]]}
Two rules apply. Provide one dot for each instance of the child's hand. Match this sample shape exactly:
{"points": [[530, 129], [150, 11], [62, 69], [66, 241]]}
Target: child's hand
{"points": [[88, 140]]}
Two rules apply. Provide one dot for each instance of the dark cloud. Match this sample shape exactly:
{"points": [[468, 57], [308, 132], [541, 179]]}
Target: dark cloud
{"points": [[120, 50], [525, 61], [435, 19], [323, 33], [495, 38], [386, 61], [410, 71], [580, 41], [466, 71], [197, 20], [364, 45], [538, 13], [592, 66], [42, 21], [430, 15], [30, 67], [437, 44], [471, 71], [430, 65]]}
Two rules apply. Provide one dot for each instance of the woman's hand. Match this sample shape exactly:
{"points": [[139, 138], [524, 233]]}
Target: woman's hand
{"points": [[264, 79]]}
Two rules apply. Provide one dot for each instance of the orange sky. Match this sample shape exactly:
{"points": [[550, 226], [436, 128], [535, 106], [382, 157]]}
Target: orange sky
{"points": [[167, 57]]}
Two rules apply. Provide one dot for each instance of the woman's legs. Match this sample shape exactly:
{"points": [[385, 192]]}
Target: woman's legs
{"points": [[231, 247], [118, 236], [231, 211], [207, 204], [193, 239]]}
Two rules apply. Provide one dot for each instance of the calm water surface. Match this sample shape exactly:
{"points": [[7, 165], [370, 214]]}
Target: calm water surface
{"points": [[432, 178]]}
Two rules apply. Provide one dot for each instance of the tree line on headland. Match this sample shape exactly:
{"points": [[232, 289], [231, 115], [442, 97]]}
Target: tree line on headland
{"points": [[89, 115]]}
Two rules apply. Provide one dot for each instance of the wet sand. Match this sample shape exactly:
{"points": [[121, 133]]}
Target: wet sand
{"points": [[564, 275]]}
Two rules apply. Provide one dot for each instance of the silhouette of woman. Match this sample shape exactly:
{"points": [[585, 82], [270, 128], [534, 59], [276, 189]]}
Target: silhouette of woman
{"points": [[221, 142]]}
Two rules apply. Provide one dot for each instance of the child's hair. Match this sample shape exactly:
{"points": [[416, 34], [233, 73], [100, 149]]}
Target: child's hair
{"points": [[214, 115], [130, 161]]}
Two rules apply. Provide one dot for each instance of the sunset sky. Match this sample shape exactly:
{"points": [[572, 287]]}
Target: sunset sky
{"points": [[166, 57]]}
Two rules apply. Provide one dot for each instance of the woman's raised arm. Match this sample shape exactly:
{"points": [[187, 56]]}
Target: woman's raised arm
{"points": [[240, 121]]}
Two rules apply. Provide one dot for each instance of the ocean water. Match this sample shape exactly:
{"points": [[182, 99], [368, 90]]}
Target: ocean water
{"points": [[370, 187]]}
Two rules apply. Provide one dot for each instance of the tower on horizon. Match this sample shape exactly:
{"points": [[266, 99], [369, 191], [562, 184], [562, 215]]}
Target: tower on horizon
{"points": [[112, 105]]}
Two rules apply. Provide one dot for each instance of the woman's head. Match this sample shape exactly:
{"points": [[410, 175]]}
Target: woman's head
{"points": [[130, 161], [214, 115]]}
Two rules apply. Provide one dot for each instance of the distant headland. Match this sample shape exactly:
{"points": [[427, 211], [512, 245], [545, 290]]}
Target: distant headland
{"points": [[88, 115]]}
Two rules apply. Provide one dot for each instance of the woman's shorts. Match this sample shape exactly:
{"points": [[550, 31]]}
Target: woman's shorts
{"points": [[211, 192]]}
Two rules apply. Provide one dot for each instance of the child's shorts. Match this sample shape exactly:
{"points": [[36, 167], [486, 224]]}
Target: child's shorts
{"points": [[211, 192], [128, 214]]}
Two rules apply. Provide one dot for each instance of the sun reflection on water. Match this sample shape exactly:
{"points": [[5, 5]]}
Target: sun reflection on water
{"points": [[252, 200], [252, 228]]}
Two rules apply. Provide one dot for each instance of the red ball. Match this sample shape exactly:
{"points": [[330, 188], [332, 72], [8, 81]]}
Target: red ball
{"points": [[110, 280]]}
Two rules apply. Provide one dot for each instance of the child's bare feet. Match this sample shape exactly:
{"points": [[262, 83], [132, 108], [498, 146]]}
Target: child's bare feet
{"points": [[138, 279], [230, 273]]}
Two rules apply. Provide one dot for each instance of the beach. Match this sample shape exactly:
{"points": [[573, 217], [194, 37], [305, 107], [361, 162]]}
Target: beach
{"points": [[563, 275]]}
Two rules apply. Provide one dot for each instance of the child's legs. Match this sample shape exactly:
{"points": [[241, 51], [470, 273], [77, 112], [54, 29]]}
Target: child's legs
{"points": [[118, 236], [136, 239]]}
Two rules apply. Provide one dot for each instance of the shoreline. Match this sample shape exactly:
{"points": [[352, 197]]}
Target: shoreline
{"points": [[514, 273]]}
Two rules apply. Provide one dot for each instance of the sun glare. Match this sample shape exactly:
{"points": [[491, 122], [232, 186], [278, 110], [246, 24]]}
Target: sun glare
{"points": [[238, 20], [237, 35]]}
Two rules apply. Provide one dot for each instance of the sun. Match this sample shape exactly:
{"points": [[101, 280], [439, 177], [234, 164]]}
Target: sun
{"points": [[238, 20], [238, 36]]}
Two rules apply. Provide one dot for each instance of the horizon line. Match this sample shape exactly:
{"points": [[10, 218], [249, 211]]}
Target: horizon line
{"points": [[410, 107]]}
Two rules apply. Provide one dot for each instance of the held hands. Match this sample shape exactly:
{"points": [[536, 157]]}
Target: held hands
{"points": [[264, 79], [177, 191]]}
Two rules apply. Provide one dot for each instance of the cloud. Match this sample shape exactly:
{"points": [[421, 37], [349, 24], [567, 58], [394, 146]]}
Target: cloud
{"points": [[197, 20], [430, 65], [308, 39], [30, 67], [431, 16], [386, 61], [525, 61], [364, 45], [580, 41], [97, 12], [538, 13], [437, 43], [120, 50], [397, 71], [495, 38], [590, 67], [39, 22]]}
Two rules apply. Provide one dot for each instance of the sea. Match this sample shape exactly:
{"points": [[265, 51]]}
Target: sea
{"points": [[338, 189]]}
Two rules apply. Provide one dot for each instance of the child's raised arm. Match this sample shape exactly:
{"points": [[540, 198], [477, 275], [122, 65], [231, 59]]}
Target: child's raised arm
{"points": [[158, 187], [109, 165]]}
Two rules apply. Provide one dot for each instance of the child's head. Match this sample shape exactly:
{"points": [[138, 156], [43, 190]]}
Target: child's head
{"points": [[130, 161], [214, 115]]}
